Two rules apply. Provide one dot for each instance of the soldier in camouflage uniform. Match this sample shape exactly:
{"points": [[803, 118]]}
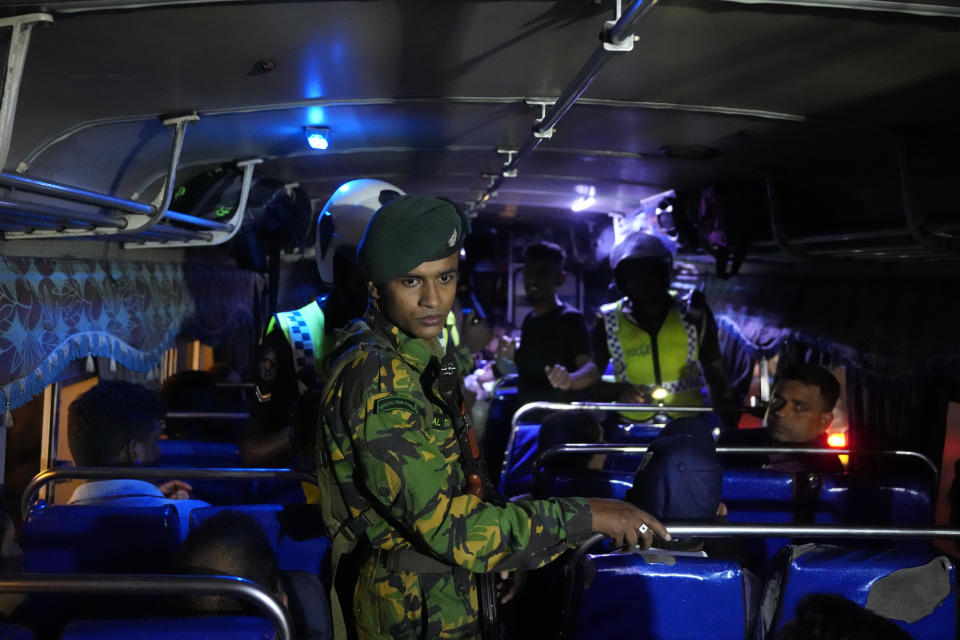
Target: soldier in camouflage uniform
{"points": [[395, 457]]}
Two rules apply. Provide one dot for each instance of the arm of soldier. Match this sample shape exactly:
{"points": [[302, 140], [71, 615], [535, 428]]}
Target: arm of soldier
{"points": [[420, 494], [415, 487]]}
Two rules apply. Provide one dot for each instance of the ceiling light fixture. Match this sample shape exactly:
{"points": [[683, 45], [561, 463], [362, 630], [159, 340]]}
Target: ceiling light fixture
{"points": [[318, 137]]}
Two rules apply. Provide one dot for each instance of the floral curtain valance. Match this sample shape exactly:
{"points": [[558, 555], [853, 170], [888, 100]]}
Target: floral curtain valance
{"points": [[53, 311]]}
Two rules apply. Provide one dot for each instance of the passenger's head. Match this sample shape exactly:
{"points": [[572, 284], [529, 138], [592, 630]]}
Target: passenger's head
{"points": [[680, 478], [570, 427], [410, 252], [115, 423], [190, 391], [229, 543], [542, 270], [823, 616], [642, 267], [801, 409]]}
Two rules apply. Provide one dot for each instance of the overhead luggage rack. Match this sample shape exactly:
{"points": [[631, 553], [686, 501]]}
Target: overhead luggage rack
{"points": [[106, 217], [42, 214]]}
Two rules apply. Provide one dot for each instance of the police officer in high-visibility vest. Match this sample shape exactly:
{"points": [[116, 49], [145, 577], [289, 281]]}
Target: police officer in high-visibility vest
{"points": [[295, 342], [664, 348]]}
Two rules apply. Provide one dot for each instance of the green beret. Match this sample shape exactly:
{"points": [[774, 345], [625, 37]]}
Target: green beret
{"points": [[408, 231]]}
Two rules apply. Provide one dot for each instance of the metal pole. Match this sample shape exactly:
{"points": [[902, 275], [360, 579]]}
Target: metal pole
{"points": [[616, 34], [150, 584], [807, 531], [585, 406], [33, 209], [155, 473], [575, 448], [239, 415], [73, 194], [197, 222]]}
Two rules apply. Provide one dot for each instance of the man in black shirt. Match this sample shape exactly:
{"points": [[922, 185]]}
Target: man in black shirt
{"points": [[798, 415], [554, 360]]}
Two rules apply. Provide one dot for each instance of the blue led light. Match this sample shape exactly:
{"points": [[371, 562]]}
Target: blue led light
{"points": [[318, 137]]}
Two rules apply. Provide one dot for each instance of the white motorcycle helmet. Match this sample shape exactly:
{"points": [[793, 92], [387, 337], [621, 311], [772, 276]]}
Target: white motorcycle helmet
{"points": [[344, 218]]}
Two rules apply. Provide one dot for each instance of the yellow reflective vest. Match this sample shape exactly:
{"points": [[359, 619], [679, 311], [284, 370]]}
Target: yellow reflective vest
{"points": [[670, 359], [309, 343]]}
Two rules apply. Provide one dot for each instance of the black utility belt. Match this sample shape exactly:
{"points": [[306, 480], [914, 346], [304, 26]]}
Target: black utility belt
{"points": [[411, 560]]}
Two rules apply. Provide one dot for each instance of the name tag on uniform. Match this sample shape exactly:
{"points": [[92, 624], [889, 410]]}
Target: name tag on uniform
{"points": [[395, 403]]}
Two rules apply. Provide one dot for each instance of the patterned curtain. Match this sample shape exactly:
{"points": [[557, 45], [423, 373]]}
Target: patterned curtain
{"points": [[53, 311]]}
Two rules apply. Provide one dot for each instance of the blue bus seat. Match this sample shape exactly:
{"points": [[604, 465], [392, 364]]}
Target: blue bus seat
{"points": [[882, 499], [295, 532], [100, 539], [197, 453], [200, 454], [15, 632], [187, 628], [590, 483], [658, 594], [914, 589], [517, 477]]}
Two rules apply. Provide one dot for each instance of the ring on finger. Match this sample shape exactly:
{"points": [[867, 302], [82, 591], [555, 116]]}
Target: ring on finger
{"points": [[642, 529]]}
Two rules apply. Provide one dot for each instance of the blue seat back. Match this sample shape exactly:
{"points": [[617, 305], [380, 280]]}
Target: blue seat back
{"points": [[200, 454], [660, 595], [190, 628], [294, 531], [15, 632], [197, 453], [915, 589], [876, 500], [518, 475], [95, 538]]}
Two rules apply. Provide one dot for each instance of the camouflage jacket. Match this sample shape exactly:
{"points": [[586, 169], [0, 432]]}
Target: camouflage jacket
{"points": [[410, 473]]}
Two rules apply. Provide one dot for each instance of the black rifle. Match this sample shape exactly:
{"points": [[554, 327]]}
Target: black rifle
{"points": [[476, 473]]}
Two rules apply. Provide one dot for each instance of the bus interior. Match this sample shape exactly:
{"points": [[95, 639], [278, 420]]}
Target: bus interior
{"points": [[794, 155]]}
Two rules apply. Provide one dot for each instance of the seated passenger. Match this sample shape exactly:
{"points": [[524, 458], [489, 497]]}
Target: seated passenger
{"points": [[798, 415], [828, 616], [664, 348], [680, 480], [570, 427], [232, 543], [117, 424]]}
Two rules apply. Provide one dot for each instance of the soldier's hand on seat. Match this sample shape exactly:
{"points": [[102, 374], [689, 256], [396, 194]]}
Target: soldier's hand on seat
{"points": [[627, 525], [558, 376]]}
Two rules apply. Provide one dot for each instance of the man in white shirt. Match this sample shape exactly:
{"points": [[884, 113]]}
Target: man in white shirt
{"points": [[117, 424]]}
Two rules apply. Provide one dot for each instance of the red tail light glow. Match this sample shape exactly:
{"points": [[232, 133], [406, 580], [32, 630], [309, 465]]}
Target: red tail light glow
{"points": [[837, 440]]}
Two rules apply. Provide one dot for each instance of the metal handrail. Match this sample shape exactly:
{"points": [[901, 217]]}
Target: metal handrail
{"points": [[151, 584], [753, 530], [225, 415], [617, 33], [552, 452], [584, 406], [155, 473]]}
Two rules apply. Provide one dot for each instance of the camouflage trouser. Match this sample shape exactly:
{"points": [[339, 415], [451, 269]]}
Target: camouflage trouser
{"points": [[402, 605]]}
